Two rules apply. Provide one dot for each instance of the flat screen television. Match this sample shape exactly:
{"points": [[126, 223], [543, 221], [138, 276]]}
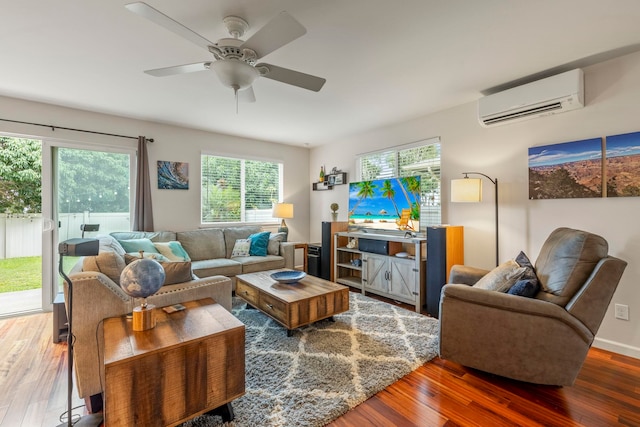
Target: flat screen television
{"points": [[385, 204]]}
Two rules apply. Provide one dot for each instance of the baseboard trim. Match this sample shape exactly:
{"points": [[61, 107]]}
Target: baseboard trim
{"points": [[617, 347]]}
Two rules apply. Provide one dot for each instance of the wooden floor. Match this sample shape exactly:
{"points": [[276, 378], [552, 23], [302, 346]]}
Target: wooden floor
{"points": [[33, 378]]}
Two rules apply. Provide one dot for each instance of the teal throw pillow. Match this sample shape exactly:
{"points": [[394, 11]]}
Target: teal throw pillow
{"points": [[259, 243], [137, 245], [172, 250]]}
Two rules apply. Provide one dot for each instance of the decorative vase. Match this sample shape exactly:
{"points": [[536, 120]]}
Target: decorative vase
{"points": [[334, 216]]}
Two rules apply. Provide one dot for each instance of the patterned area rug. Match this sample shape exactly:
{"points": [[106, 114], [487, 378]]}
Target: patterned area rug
{"points": [[325, 369]]}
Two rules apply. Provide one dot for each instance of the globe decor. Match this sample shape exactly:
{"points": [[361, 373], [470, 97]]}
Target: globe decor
{"points": [[141, 279]]}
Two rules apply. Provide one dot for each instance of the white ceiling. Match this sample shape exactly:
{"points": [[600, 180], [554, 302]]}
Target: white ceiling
{"points": [[385, 61]]}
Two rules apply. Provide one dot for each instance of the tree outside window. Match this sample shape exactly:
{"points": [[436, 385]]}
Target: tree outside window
{"points": [[239, 190]]}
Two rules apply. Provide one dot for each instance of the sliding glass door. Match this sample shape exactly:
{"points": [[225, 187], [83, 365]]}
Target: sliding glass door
{"points": [[89, 194], [20, 225]]}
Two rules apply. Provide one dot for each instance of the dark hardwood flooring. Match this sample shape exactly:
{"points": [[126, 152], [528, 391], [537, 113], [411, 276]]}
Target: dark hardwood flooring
{"points": [[440, 393]]}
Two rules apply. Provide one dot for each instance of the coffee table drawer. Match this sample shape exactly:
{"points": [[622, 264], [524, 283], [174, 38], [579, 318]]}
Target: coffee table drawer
{"points": [[274, 307], [247, 293]]}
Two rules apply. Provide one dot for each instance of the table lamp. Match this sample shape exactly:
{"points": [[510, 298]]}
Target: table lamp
{"points": [[283, 210]]}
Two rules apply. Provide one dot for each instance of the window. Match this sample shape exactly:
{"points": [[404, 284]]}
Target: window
{"points": [[421, 158], [239, 190]]}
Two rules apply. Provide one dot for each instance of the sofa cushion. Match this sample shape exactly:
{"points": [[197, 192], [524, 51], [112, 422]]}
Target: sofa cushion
{"points": [[274, 243], [154, 236], [109, 263], [137, 245], [252, 264], [203, 244], [259, 243], [566, 260], [501, 278], [172, 250], [231, 234], [214, 267]]}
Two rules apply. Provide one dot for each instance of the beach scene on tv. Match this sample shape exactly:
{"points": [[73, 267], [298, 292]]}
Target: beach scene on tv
{"points": [[385, 204]]}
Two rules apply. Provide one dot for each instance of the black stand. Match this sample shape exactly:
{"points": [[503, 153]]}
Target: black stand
{"points": [[92, 420], [225, 411]]}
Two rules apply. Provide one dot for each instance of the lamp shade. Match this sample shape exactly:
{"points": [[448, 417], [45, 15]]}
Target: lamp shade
{"points": [[466, 190], [283, 210]]}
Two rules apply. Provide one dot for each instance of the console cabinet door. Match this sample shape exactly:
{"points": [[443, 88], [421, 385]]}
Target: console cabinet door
{"points": [[402, 278], [376, 273]]}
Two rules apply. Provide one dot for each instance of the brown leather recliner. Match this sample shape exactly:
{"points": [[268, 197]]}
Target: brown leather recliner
{"points": [[544, 339]]}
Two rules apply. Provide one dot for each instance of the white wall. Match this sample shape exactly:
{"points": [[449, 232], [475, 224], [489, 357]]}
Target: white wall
{"points": [[612, 93], [176, 210]]}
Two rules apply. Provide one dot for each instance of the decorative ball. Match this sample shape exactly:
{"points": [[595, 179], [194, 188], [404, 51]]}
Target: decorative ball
{"points": [[142, 278]]}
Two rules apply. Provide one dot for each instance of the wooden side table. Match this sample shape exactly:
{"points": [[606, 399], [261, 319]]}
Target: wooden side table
{"points": [[305, 250], [192, 362]]}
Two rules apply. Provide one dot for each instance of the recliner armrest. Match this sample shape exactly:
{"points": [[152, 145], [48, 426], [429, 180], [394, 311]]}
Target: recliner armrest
{"points": [[466, 275], [507, 305]]}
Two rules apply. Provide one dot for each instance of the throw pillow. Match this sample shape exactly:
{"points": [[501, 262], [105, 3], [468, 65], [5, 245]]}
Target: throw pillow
{"points": [[176, 272], [109, 263], [501, 278], [137, 245], [241, 248], [523, 261], [525, 288], [172, 250], [110, 244], [130, 257], [273, 248], [259, 243]]}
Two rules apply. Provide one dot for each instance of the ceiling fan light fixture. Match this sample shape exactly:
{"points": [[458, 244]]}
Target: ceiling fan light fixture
{"points": [[234, 73]]}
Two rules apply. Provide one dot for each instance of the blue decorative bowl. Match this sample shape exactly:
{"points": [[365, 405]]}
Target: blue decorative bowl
{"points": [[288, 276]]}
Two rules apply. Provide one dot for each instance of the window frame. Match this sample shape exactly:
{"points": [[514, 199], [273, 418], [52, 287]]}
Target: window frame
{"points": [[243, 160], [425, 218]]}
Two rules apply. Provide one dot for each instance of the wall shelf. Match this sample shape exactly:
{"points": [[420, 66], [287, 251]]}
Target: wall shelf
{"points": [[330, 181]]}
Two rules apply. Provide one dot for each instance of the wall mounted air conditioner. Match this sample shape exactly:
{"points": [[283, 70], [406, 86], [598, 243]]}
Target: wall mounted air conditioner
{"points": [[552, 95]]}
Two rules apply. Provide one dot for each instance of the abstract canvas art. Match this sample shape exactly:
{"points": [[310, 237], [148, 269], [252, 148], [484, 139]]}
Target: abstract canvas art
{"points": [[173, 175]]}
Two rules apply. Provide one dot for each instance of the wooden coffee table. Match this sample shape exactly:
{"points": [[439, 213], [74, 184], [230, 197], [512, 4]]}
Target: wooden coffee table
{"points": [[293, 305], [192, 362]]}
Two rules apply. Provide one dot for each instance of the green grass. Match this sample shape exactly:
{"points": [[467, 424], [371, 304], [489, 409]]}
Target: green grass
{"points": [[22, 274]]}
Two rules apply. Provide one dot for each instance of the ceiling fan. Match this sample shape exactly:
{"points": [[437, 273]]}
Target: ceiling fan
{"points": [[235, 60]]}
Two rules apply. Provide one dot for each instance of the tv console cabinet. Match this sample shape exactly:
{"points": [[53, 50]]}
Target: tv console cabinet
{"points": [[415, 279], [391, 276]]}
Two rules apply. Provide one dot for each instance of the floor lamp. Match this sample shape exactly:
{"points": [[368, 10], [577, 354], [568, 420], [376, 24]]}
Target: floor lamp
{"points": [[470, 190], [75, 247]]}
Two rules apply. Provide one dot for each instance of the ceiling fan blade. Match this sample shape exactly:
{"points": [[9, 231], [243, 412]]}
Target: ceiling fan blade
{"points": [[295, 78], [163, 20], [179, 69], [276, 33], [247, 95]]}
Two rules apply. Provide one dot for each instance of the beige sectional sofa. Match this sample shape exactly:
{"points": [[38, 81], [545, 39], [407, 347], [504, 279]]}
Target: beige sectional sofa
{"points": [[210, 250], [97, 294]]}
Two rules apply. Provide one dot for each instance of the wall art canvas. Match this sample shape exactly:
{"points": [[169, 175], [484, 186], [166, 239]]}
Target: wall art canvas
{"points": [[173, 175], [623, 165], [567, 170]]}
